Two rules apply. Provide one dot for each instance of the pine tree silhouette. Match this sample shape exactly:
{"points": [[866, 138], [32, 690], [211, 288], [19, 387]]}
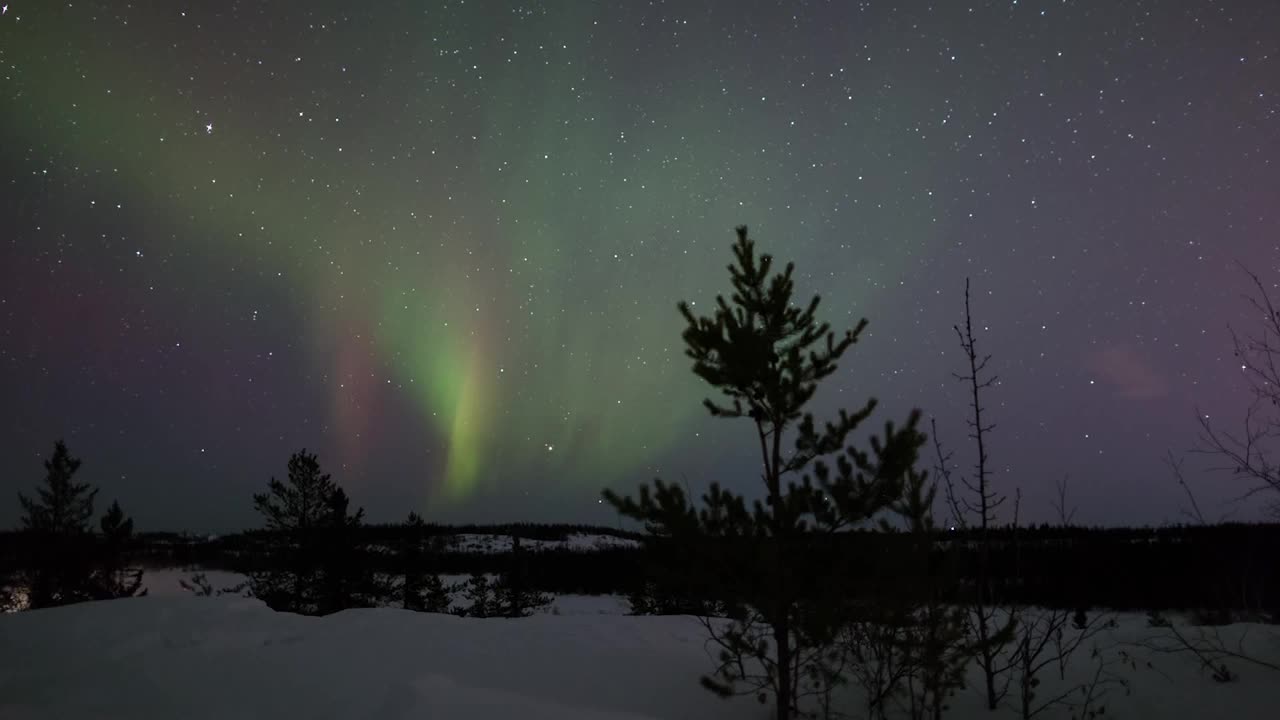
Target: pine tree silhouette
{"points": [[435, 594], [420, 591], [413, 587], [478, 592], [513, 597], [317, 566], [60, 544], [767, 355], [115, 580], [347, 580]]}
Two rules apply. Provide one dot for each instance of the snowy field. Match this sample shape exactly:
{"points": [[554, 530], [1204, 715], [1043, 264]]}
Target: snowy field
{"points": [[173, 655]]}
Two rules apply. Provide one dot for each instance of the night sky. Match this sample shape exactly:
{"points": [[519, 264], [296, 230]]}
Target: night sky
{"points": [[441, 244]]}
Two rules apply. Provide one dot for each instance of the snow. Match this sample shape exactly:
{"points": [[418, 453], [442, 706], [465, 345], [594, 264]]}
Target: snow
{"points": [[171, 655], [228, 657], [166, 582]]}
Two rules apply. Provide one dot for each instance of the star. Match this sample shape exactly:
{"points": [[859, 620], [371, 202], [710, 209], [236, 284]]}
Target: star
{"points": [[208, 129]]}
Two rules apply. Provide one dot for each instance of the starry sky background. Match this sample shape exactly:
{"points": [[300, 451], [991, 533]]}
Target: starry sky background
{"points": [[441, 244]]}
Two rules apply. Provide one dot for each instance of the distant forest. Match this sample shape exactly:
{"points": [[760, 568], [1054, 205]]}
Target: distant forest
{"points": [[1211, 569]]}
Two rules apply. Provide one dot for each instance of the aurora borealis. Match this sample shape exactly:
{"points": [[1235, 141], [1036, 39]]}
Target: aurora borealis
{"points": [[441, 244]]}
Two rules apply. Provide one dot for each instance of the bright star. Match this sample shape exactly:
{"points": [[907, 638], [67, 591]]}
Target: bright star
{"points": [[208, 129]]}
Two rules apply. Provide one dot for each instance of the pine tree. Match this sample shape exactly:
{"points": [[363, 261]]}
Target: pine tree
{"points": [[347, 580], [767, 356], [414, 586], [317, 567], [64, 506], [435, 594], [59, 566], [299, 505], [643, 600], [478, 592], [512, 596], [114, 579]]}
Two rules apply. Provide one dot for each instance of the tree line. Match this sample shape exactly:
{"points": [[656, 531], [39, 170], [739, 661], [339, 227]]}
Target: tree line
{"points": [[1115, 568], [312, 556], [61, 559]]}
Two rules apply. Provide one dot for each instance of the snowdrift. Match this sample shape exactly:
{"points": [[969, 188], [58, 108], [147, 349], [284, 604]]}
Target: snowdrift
{"points": [[229, 657]]}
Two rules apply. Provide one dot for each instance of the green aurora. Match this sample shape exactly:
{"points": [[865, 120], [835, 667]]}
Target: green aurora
{"points": [[494, 225]]}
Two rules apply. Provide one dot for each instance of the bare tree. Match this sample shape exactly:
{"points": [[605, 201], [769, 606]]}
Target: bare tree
{"points": [[1192, 512], [1048, 638], [1249, 452], [978, 501], [1066, 514], [1206, 644], [1209, 648]]}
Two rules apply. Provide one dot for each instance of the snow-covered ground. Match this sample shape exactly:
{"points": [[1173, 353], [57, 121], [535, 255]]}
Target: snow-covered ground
{"points": [[234, 658], [167, 582], [175, 656]]}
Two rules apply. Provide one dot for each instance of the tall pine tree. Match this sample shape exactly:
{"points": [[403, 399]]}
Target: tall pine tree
{"points": [[59, 542], [767, 355], [64, 561]]}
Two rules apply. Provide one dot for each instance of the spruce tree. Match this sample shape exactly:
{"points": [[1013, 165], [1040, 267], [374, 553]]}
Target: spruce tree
{"points": [[59, 565], [767, 355]]}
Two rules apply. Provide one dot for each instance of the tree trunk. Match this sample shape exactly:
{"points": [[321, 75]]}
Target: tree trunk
{"points": [[782, 643]]}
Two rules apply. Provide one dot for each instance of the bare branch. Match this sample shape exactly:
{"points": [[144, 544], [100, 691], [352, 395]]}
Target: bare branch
{"points": [[1065, 516], [1249, 453], [1175, 466]]}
